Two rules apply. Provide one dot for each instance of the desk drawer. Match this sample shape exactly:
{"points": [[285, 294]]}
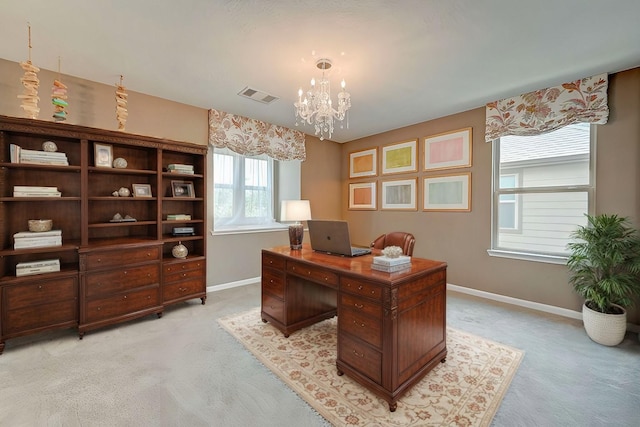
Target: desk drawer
{"points": [[121, 279], [116, 258], [273, 261], [360, 305], [316, 274], [273, 306], [106, 308], [40, 292], [366, 328], [273, 282], [183, 275], [360, 357], [361, 287]]}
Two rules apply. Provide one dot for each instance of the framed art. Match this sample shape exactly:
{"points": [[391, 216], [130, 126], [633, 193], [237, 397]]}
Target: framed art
{"points": [[182, 189], [103, 155], [362, 196], [399, 157], [141, 190], [448, 193], [363, 163], [399, 194], [448, 150]]}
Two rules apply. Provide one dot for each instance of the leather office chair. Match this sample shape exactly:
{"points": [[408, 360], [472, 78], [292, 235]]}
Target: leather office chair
{"points": [[397, 238]]}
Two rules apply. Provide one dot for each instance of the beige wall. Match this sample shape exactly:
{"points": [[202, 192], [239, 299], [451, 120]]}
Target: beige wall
{"points": [[462, 239], [93, 104]]}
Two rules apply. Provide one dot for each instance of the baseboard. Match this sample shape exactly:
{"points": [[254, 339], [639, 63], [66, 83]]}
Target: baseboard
{"points": [[564, 312], [236, 284]]}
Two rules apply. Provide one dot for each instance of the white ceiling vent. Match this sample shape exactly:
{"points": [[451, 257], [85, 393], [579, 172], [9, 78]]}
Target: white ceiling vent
{"points": [[257, 95]]}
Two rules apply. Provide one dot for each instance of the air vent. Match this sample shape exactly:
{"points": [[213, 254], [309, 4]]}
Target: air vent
{"points": [[257, 95]]}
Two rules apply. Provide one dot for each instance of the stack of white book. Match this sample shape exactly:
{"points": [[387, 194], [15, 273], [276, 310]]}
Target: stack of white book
{"points": [[37, 267], [391, 265], [37, 239], [180, 168], [35, 191], [37, 157]]}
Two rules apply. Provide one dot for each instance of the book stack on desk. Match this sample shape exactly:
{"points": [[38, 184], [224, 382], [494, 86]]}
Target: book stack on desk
{"points": [[391, 265]]}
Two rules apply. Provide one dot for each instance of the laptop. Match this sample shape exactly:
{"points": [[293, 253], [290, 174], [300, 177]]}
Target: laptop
{"points": [[332, 237]]}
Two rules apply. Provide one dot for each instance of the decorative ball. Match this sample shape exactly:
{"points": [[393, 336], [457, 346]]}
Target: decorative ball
{"points": [[179, 251], [119, 163], [49, 146], [392, 251], [124, 192], [40, 225]]}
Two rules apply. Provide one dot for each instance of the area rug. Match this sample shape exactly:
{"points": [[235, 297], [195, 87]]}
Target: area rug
{"points": [[466, 390]]}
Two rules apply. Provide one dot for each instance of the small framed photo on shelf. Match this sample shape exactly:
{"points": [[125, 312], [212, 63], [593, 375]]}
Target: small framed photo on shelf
{"points": [[182, 189], [141, 190], [363, 163], [362, 196], [103, 155]]}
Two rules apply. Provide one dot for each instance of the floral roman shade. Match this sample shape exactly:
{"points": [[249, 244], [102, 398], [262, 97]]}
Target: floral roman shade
{"points": [[544, 110], [252, 137]]}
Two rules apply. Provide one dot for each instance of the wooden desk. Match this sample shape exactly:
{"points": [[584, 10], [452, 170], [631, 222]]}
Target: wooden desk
{"points": [[391, 327]]}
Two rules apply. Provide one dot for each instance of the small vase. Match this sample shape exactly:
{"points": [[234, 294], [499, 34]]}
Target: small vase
{"points": [[179, 251]]}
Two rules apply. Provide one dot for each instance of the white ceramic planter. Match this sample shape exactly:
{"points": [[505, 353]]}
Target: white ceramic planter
{"points": [[605, 329]]}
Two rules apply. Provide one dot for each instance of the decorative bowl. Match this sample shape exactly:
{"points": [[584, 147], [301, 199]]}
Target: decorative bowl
{"points": [[49, 146], [119, 163], [392, 251], [39, 225]]}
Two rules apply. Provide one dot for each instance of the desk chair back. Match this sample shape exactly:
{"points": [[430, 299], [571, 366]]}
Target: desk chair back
{"points": [[397, 238]]}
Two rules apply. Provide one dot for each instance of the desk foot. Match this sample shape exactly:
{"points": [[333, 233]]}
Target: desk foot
{"points": [[393, 406], [204, 300], [159, 315], [340, 373], [80, 335], [264, 320], [444, 359]]}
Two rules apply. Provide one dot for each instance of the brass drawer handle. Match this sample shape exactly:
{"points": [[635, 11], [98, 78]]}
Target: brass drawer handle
{"points": [[359, 305], [359, 324], [360, 287], [361, 355]]}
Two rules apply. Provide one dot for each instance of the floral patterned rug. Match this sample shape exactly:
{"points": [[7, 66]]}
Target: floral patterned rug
{"points": [[466, 390]]}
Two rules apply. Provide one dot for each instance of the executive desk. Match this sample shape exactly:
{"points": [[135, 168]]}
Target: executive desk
{"points": [[391, 326]]}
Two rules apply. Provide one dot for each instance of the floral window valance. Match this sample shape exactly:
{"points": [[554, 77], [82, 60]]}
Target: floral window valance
{"points": [[549, 109], [252, 137]]}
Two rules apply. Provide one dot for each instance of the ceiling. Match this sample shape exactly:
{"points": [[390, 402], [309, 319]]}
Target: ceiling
{"points": [[404, 61]]}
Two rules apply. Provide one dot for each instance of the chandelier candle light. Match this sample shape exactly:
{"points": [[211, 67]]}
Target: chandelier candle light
{"points": [[316, 108], [295, 210]]}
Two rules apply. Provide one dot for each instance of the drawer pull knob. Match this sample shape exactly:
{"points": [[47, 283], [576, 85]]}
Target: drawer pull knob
{"points": [[39, 286], [359, 305], [125, 297], [184, 274], [360, 287], [99, 308], [358, 324], [271, 281], [358, 354], [124, 272], [148, 253]]}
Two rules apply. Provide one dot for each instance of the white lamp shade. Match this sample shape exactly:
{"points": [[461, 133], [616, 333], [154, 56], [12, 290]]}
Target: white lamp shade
{"points": [[295, 210]]}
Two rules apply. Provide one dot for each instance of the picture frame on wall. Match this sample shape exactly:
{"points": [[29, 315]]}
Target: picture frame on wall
{"points": [[399, 157], [448, 150], [182, 189], [362, 196], [363, 163], [449, 193], [103, 155], [399, 194]]}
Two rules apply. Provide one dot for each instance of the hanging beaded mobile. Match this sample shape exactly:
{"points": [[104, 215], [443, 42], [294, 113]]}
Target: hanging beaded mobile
{"points": [[121, 105], [58, 98], [30, 82]]}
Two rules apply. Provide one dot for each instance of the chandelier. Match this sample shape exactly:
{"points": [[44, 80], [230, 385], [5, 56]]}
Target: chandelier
{"points": [[316, 109]]}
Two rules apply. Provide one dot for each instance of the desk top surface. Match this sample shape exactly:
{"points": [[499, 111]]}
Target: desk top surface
{"points": [[360, 265]]}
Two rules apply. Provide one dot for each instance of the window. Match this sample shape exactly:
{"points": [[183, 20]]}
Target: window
{"points": [[242, 190], [542, 187]]}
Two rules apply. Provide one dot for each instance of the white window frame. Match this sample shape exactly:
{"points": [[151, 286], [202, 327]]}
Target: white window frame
{"points": [[497, 191]]}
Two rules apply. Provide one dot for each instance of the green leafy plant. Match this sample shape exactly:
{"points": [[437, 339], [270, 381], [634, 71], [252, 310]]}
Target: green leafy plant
{"points": [[605, 262]]}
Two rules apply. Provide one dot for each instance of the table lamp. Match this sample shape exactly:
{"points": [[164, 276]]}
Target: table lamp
{"points": [[295, 210]]}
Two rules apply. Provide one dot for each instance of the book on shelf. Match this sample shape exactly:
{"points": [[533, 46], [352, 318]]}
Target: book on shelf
{"points": [[182, 171], [37, 188], [384, 260], [179, 166], [22, 155], [178, 217], [37, 267], [36, 234], [392, 268], [35, 191], [43, 242]]}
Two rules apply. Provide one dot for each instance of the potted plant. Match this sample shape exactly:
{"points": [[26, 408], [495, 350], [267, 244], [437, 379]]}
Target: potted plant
{"points": [[604, 263]]}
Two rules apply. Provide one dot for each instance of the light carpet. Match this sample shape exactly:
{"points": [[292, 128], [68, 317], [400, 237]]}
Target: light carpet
{"points": [[466, 390]]}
